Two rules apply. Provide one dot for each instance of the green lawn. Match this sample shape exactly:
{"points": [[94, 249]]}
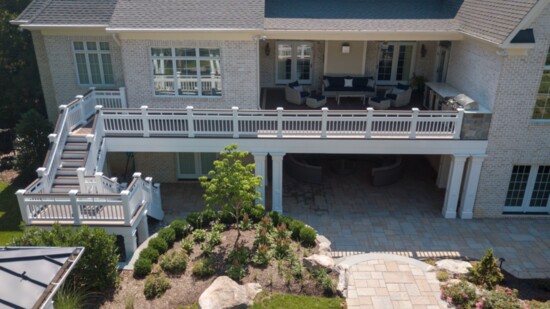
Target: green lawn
{"points": [[265, 300], [10, 217]]}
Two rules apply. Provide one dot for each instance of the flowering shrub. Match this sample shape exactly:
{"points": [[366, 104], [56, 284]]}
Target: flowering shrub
{"points": [[501, 298], [462, 294]]}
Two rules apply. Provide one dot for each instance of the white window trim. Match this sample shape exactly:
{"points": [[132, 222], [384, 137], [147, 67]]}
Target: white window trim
{"points": [[544, 68], [294, 58], [197, 58], [87, 52], [396, 47], [525, 208]]}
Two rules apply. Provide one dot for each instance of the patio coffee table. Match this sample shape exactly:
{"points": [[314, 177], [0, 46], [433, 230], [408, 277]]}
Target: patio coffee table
{"points": [[350, 95]]}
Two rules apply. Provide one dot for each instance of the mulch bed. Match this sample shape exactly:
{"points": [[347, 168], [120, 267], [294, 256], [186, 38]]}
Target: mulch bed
{"points": [[186, 289]]}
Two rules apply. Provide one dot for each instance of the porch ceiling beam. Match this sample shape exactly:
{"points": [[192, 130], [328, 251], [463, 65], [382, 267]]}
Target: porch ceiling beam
{"points": [[336, 146], [365, 35]]}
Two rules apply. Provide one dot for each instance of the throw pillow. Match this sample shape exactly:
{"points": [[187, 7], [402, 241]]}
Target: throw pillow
{"points": [[299, 88], [396, 90], [370, 83], [348, 82], [402, 86], [326, 83]]}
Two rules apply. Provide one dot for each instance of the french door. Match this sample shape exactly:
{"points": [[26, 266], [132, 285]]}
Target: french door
{"points": [[441, 64], [395, 62], [294, 62], [193, 165], [529, 189]]}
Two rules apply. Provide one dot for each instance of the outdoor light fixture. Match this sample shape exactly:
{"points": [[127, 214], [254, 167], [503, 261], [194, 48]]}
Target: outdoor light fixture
{"points": [[267, 49], [345, 48], [423, 51], [384, 45], [501, 260]]}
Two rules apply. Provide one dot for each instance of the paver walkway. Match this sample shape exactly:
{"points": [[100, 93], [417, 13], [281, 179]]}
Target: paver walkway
{"points": [[384, 281]]}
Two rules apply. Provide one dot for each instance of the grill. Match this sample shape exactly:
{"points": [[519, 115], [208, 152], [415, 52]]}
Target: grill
{"points": [[460, 101]]}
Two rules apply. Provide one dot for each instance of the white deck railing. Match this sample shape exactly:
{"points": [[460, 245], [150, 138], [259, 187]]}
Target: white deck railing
{"points": [[235, 123], [76, 208]]}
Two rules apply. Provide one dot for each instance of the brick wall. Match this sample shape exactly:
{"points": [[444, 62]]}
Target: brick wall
{"points": [[239, 62], [513, 138], [62, 68], [162, 166], [45, 75]]}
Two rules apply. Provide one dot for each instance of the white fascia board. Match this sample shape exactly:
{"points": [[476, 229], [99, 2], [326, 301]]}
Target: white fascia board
{"points": [[289, 145], [18, 22], [67, 26], [526, 22], [117, 30]]}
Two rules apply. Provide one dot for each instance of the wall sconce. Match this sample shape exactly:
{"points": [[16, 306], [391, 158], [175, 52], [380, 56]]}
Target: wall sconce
{"points": [[384, 45], [345, 48], [423, 51], [267, 49]]}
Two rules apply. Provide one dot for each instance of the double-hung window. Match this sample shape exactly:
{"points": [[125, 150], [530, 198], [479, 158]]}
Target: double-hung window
{"points": [[186, 71], [542, 106], [395, 62], [93, 63], [529, 189]]}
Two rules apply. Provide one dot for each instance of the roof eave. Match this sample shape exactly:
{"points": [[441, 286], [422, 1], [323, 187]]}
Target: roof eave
{"points": [[64, 26], [525, 22], [126, 30]]}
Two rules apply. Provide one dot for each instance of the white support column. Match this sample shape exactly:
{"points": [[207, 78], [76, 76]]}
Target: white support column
{"points": [[130, 243], [443, 172], [277, 185], [122, 92], [22, 206], [260, 160], [471, 181], [75, 207], [453, 186], [143, 229]]}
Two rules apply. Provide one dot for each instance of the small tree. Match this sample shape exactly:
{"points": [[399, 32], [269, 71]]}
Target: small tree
{"points": [[486, 273], [32, 143], [232, 185]]}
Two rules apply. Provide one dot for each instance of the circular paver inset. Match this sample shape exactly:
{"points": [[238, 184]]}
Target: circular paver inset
{"points": [[392, 282]]}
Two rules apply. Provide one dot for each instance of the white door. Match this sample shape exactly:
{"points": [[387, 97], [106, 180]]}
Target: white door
{"points": [[193, 165], [529, 190], [441, 63], [294, 62], [395, 62]]}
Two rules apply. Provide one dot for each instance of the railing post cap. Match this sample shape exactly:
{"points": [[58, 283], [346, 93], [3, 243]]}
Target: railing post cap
{"points": [[149, 179], [20, 192], [81, 169], [136, 175], [41, 171], [89, 137], [324, 108], [73, 192], [415, 109], [124, 192], [78, 96], [280, 108], [235, 108], [144, 107], [62, 107], [189, 107], [460, 110], [98, 107], [52, 134], [370, 109], [98, 174], [92, 88]]}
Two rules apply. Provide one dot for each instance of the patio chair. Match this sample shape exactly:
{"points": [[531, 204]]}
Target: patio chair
{"points": [[399, 95], [295, 94]]}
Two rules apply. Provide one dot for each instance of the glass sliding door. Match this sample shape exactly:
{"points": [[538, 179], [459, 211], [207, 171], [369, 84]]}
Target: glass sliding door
{"points": [[294, 62], [529, 189], [395, 62], [193, 165]]}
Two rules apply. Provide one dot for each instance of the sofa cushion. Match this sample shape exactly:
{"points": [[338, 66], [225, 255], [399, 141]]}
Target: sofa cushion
{"points": [[360, 81], [348, 82], [294, 84], [392, 96], [370, 89], [326, 83], [402, 87], [304, 94], [298, 88], [370, 83], [335, 81]]}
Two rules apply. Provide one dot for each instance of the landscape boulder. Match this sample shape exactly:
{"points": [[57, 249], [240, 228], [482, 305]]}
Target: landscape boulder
{"points": [[322, 245], [224, 293], [317, 261], [453, 266]]}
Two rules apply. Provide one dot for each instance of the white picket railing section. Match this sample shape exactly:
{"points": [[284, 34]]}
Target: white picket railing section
{"points": [[235, 123], [76, 208]]}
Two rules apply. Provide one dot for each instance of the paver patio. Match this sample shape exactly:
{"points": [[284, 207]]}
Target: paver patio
{"points": [[404, 218]]}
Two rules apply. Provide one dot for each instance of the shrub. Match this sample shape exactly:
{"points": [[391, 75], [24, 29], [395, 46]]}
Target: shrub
{"points": [[203, 268], [174, 263], [281, 242], [534, 304], [168, 234], [295, 226], [275, 217], [207, 217], [32, 143], [266, 223], [501, 298], [142, 268], [255, 212], [214, 238], [240, 254], [155, 286], [236, 271], [199, 235], [150, 254], [159, 244], [181, 228], [194, 219], [245, 224], [486, 273], [70, 297], [97, 269], [324, 281], [462, 294], [307, 236], [218, 227], [207, 248], [262, 255], [187, 245], [442, 275]]}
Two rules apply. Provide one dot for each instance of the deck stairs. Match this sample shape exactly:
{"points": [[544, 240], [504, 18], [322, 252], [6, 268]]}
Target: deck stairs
{"points": [[72, 157]]}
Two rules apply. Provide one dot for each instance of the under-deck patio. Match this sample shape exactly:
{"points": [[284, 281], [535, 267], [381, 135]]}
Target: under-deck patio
{"points": [[403, 218]]}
